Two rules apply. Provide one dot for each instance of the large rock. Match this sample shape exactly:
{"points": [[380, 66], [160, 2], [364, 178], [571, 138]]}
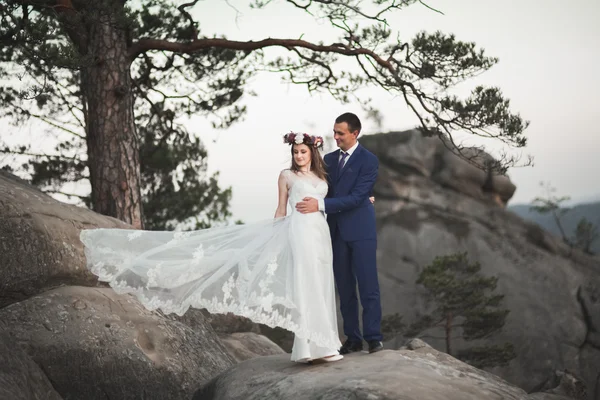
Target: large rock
{"points": [[227, 324], [246, 345], [95, 344], [240, 336], [20, 377], [39, 240], [410, 153], [563, 385], [419, 374], [221, 323], [551, 293]]}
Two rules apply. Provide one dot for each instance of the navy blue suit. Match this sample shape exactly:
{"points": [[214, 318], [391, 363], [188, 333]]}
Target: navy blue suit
{"points": [[351, 219]]}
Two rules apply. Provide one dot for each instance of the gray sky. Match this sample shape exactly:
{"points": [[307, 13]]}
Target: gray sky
{"points": [[548, 53]]}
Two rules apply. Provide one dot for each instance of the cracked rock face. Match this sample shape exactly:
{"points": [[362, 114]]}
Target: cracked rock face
{"points": [[553, 295]]}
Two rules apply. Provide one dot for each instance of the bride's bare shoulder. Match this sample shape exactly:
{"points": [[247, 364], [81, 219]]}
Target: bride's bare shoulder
{"points": [[286, 176]]}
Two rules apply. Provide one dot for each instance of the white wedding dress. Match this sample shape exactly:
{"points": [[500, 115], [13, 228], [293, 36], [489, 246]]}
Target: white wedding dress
{"points": [[276, 272]]}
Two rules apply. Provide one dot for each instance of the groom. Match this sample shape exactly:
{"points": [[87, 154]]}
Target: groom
{"points": [[352, 171]]}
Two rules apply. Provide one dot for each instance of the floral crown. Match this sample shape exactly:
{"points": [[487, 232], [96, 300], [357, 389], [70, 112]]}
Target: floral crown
{"points": [[303, 138]]}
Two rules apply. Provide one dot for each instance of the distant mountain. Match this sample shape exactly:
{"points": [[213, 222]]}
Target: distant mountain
{"points": [[589, 211]]}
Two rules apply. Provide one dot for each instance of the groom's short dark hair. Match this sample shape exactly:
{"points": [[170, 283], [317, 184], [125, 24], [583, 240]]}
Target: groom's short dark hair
{"points": [[352, 121]]}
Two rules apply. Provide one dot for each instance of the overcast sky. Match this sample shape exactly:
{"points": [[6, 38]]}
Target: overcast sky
{"points": [[549, 53], [548, 50]]}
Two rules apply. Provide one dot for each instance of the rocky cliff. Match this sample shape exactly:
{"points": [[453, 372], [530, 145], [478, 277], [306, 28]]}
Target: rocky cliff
{"points": [[431, 203]]}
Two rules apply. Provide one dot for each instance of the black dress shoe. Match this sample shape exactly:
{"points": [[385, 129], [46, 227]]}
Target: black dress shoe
{"points": [[351, 347], [375, 346]]}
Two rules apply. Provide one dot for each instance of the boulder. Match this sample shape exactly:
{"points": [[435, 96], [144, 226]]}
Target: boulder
{"points": [[240, 336], [94, 344], [420, 374], [222, 323], [39, 241], [563, 384], [226, 324], [246, 345], [20, 377]]}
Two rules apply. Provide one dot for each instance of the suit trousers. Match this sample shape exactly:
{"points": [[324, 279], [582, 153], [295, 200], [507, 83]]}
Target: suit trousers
{"points": [[356, 262]]}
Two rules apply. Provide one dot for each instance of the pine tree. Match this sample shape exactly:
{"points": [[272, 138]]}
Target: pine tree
{"points": [[465, 305], [586, 234], [116, 77]]}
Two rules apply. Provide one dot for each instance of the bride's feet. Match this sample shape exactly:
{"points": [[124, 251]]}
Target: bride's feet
{"points": [[331, 358]]}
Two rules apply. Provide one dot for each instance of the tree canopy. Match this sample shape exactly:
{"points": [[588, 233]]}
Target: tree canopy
{"points": [[115, 79]]}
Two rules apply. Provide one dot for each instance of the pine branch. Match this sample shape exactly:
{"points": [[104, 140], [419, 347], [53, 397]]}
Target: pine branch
{"points": [[49, 121], [187, 15], [146, 44], [72, 23], [26, 153], [8, 36]]}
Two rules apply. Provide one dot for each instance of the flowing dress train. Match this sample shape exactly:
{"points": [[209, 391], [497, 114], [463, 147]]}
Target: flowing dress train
{"points": [[277, 272]]}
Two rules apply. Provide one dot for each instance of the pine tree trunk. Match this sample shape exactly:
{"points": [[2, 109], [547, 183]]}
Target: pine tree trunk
{"points": [[112, 142], [448, 329]]}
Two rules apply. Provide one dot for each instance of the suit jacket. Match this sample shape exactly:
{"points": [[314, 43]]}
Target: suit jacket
{"points": [[347, 203]]}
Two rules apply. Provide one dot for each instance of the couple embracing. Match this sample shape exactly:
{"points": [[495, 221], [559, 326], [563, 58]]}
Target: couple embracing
{"points": [[280, 272]]}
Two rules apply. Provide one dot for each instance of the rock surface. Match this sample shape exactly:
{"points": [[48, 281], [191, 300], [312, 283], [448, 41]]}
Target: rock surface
{"points": [[20, 377], [240, 336], [552, 294], [94, 344], [71, 342], [409, 153], [246, 345], [420, 374], [39, 241]]}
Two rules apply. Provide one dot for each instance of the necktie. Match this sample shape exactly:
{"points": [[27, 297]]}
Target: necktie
{"points": [[341, 163]]}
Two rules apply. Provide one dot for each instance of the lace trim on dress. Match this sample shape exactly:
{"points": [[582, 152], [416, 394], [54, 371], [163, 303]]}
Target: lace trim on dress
{"points": [[263, 307]]}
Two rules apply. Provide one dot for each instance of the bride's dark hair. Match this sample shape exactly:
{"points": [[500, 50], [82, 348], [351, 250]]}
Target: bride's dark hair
{"points": [[317, 165]]}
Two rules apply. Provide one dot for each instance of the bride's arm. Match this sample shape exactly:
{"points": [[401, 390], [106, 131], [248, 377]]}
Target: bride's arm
{"points": [[283, 196]]}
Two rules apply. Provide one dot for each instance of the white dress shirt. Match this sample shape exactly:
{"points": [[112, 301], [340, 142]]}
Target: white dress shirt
{"points": [[349, 151]]}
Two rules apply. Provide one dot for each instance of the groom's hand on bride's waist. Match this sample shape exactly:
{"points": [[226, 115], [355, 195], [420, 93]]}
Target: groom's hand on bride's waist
{"points": [[307, 205]]}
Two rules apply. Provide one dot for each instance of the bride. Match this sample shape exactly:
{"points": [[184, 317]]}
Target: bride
{"points": [[276, 272]]}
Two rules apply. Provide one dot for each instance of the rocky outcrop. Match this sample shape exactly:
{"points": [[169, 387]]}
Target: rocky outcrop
{"points": [[241, 337], [39, 241], [416, 372], [246, 345], [77, 340], [410, 154], [563, 384], [548, 290], [94, 344], [63, 336]]}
